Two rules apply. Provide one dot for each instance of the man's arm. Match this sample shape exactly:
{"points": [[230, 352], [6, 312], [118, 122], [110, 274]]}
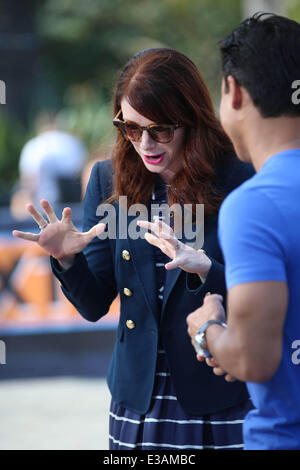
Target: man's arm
{"points": [[254, 245], [250, 348]]}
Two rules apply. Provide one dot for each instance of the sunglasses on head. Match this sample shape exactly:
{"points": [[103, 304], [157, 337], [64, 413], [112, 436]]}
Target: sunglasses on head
{"points": [[162, 133]]}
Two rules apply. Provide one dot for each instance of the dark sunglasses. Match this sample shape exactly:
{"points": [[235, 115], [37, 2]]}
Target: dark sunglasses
{"points": [[162, 133]]}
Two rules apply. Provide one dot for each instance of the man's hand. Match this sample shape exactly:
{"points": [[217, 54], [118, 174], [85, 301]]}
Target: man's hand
{"points": [[217, 370], [212, 308]]}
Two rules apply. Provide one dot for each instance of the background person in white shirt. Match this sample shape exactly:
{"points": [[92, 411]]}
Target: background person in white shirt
{"points": [[50, 164]]}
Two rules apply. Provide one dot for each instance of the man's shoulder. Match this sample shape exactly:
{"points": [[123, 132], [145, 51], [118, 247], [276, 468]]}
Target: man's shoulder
{"points": [[249, 195], [274, 182]]}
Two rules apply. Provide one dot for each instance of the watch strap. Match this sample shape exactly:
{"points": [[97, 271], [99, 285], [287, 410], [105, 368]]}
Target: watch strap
{"points": [[211, 322], [200, 336]]}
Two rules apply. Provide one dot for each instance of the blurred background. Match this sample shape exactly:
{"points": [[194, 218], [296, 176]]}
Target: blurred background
{"points": [[60, 60]]}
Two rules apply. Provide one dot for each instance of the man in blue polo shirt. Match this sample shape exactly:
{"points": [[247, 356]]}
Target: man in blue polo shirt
{"points": [[259, 228]]}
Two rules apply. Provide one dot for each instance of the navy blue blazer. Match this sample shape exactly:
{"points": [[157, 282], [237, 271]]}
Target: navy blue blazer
{"points": [[100, 273]]}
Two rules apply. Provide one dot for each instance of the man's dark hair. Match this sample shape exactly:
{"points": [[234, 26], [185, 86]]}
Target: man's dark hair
{"points": [[263, 55]]}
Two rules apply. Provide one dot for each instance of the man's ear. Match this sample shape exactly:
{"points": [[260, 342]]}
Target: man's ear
{"points": [[235, 91]]}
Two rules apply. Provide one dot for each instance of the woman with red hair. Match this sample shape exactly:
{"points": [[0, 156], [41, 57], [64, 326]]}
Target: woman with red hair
{"points": [[170, 148]]}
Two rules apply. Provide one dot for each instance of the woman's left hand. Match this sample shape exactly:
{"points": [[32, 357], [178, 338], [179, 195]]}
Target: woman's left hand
{"points": [[183, 256]]}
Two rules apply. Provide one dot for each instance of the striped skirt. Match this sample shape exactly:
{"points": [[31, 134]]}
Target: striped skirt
{"points": [[167, 426]]}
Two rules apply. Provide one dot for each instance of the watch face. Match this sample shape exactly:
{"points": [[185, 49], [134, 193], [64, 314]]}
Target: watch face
{"points": [[198, 338]]}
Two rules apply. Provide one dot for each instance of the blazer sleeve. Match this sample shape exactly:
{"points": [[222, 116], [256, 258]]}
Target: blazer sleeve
{"points": [[90, 283], [231, 176], [215, 281]]}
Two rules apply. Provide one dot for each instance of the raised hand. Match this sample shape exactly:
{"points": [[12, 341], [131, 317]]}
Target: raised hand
{"points": [[59, 238], [183, 256]]}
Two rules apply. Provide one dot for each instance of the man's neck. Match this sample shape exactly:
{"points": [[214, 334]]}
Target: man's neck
{"points": [[269, 136]]}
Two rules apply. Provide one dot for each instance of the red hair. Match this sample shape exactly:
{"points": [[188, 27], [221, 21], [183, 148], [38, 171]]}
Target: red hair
{"points": [[165, 86]]}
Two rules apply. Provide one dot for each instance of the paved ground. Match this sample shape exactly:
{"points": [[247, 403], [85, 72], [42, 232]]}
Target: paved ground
{"points": [[54, 413]]}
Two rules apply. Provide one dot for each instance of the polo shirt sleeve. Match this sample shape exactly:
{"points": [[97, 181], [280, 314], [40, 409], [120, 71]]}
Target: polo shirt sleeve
{"points": [[252, 238]]}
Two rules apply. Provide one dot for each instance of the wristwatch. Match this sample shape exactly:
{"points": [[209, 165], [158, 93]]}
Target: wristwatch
{"points": [[199, 338]]}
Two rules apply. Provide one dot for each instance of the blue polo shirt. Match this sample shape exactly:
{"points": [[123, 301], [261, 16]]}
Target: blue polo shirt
{"points": [[259, 232]]}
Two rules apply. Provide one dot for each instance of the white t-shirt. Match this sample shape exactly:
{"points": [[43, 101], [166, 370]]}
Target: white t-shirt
{"points": [[47, 158]]}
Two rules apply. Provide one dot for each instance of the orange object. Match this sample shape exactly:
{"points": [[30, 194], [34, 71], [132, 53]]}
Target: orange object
{"points": [[29, 293]]}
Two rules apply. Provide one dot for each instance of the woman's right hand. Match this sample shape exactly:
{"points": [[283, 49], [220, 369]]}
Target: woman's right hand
{"points": [[182, 255], [59, 238]]}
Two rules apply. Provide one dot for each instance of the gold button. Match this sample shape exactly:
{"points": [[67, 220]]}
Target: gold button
{"points": [[126, 255], [130, 324], [127, 291]]}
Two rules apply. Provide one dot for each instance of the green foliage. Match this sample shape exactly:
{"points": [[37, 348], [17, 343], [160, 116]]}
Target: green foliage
{"points": [[86, 114], [12, 137], [85, 44], [293, 10], [91, 40]]}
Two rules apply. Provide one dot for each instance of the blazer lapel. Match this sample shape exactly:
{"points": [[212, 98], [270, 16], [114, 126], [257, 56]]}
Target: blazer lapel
{"points": [[171, 279]]}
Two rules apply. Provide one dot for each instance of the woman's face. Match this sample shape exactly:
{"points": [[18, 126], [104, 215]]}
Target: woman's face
{"points": [[164, 159]]}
